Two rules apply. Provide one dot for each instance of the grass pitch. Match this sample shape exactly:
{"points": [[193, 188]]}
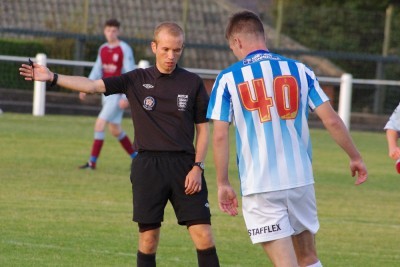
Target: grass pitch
{"points": [[52, 214]]}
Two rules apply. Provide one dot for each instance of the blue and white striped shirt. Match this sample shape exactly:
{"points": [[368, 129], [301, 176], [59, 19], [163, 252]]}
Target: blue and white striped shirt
{"points": [[267, 96], [394, 120]]}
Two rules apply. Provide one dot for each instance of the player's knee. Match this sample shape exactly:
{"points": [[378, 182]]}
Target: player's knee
{"points": [[115, 134], [307, 257], [100, 125], [149, 235], [202, 236], [148, 243], [115, 130]]}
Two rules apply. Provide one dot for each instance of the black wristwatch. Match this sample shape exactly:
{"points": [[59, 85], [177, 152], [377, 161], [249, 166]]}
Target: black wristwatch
{"points": [[199, 164]]}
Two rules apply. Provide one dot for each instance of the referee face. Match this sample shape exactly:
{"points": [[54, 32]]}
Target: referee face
{"points": [[168, 49]]}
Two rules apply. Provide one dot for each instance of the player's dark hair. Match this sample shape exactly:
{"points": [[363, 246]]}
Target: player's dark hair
{"points": [[112, 23], [244, 21]]}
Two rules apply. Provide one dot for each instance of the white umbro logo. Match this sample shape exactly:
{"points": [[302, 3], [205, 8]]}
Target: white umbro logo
{"points": [[148, 86]]}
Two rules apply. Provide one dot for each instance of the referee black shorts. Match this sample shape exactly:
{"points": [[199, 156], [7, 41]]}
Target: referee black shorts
{"points": [[157, 177]]}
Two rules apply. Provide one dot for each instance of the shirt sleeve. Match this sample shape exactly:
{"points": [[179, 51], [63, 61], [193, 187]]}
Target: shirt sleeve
{"points": [[97, 71], [220, 105], [316, 96], [129, 59], [116, 84], [394, 120], [202, 99]]}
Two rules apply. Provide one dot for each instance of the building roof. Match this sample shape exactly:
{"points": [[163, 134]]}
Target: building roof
{"points": [[205, 23]]}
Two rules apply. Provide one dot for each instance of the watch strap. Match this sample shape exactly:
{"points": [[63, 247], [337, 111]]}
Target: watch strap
{"points": [[199, 164]]}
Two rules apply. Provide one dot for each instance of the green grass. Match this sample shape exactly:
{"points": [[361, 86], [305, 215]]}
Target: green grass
{"points": [[52, 214]]}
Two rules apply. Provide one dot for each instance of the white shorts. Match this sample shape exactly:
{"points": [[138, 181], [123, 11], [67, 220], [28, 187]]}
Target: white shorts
{"points": [[111, 112], [275, 215]]}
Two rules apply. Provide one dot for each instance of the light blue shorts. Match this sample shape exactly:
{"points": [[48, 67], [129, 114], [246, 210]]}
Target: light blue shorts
{"points": [[111, 112]]}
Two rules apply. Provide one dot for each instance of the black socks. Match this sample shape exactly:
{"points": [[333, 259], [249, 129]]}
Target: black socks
{"points": [[145, 260], [205, 258], [208, 257]]}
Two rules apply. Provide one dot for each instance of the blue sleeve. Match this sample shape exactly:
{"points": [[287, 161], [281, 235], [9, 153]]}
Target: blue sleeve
{"points": [[97, 71], [316, 96], [129, 59], [220, 104]]}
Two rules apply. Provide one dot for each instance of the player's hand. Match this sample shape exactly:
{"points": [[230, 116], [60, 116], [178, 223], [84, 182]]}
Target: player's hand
{"points": [[123, 103], [358, 168], [394, 153], [193, 181], [82, 96], [35, 72], [227, 200]]}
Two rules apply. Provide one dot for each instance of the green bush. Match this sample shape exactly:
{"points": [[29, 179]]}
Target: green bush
{"points": [[9, 76], [23, 48]]}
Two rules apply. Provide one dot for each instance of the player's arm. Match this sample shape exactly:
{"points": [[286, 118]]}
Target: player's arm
{"points": [[391, 137], [226, 195], [76, 83], [128, 62], [95, 74], [336, 128], [97, 70], [193, 179]]}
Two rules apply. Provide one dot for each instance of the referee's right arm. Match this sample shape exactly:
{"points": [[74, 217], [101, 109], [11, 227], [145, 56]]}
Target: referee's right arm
{"points": [[75, 83]]}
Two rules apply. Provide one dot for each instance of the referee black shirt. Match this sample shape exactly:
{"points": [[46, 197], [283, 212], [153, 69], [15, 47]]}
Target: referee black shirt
{"points": [[164, 107]]}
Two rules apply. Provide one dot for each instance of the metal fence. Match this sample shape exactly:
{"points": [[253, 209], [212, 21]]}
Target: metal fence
{"points": [[363, 91]]}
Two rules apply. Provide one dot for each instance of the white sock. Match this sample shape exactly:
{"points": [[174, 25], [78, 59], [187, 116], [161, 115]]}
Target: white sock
{"points": [[317, 264]]}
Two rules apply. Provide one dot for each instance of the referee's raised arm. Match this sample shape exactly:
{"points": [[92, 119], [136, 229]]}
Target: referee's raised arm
{"points": [[37, 72]]}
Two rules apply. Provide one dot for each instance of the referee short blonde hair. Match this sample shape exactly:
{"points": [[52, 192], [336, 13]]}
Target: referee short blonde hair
{"points": [[171, 27]]}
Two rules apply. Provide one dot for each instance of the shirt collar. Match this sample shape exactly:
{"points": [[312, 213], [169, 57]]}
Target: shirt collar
{"points": [[158, 74], [258, 52]]}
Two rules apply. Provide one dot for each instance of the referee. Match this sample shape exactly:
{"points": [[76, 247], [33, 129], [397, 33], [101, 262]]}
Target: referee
{"points": [[168, 106]]}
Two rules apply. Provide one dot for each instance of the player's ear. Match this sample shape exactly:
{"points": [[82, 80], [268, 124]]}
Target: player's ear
{"points": [[153, 46], [238, 42]]}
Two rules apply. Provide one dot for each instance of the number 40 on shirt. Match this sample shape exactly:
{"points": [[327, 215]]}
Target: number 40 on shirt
{"points": [[286, 93]]}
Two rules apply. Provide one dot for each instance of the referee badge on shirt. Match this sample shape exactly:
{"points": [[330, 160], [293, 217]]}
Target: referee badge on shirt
{"points": [[182, 101], [149, 103]]}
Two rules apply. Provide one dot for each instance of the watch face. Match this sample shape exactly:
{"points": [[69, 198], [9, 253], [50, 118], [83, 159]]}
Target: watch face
{"points": [[200, 164]]}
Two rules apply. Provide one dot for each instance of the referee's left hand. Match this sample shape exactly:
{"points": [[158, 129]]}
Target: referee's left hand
{"points": [[193, 181]]}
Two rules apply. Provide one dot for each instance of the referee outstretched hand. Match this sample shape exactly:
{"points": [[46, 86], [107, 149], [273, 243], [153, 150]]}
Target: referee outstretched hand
{"points": [[35, 72]]}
